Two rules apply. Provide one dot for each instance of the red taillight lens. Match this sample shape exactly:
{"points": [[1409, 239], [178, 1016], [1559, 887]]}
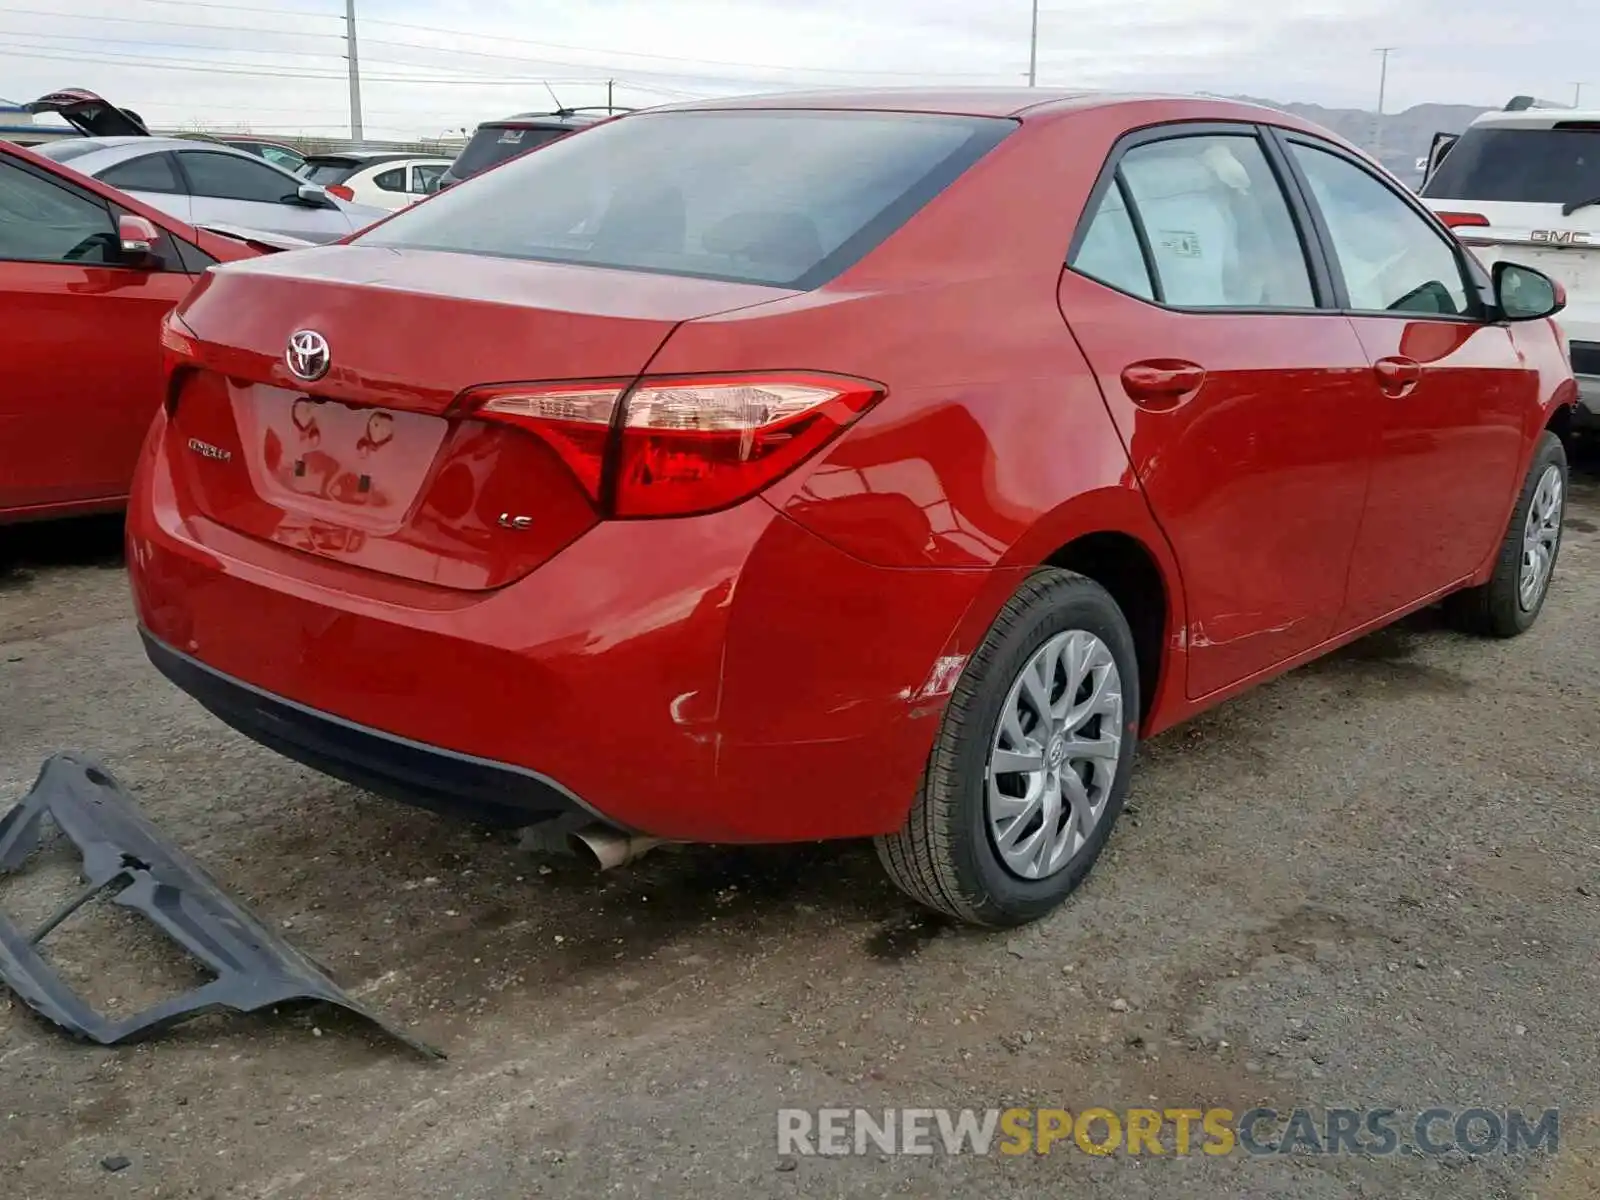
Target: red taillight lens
{"points": [[178, 351], [1461, 220], [339, 190], [682, 445], [693, 445], [573, 419]]}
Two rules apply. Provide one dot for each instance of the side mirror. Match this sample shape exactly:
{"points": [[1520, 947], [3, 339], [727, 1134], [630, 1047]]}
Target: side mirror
{"points": [[314, 195], [1523, 294], [137, 239]]}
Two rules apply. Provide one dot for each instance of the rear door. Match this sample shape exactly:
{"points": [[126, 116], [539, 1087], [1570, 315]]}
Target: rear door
{"points": [[1246, 408], [80, 337], [1453, 391], [235, 190]]}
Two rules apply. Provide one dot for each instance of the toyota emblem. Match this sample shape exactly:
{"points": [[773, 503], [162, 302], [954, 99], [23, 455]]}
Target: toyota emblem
{"points": [[308, 356]]}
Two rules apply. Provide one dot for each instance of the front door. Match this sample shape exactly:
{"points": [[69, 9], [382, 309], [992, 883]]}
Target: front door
{"points": [[1453, 394], [234, 189], [80, 337], [1247, 411]]}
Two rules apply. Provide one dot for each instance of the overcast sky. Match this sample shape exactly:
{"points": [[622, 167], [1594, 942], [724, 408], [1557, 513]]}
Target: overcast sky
{"points": [[435, 65]]}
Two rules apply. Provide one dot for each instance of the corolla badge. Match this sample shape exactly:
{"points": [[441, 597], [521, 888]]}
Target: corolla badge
{"points": [[308, 356]]}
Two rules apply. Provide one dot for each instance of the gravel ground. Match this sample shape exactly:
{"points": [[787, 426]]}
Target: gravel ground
{"points": [[1372, 883]]}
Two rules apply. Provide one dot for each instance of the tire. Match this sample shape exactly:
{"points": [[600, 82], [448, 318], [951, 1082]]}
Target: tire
{"points": [[1500, 608], [949, 854]]}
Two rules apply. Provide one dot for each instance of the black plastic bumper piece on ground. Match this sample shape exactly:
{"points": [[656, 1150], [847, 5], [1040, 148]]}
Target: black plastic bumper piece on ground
{"points": [[411, 772], [126, 860]]}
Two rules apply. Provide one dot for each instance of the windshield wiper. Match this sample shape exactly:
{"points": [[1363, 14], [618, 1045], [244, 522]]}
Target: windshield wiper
{"points": [[1573, 206]]}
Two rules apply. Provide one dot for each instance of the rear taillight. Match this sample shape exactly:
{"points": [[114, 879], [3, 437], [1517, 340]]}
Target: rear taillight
{"points": [[1464, 220], [339, 190], [178, 352], [676, 446]]}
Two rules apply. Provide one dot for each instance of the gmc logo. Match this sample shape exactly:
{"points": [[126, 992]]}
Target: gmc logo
{"points": [[1561, 237]]}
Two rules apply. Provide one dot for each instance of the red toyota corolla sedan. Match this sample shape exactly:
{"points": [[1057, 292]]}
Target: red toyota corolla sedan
{"points": [[86, 275], [871, 464]]}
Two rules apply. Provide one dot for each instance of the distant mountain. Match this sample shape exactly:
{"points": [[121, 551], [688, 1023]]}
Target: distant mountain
{"points": [[1405, 136]]}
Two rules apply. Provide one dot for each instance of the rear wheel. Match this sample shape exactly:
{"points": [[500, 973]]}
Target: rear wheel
{"points": [[1510, 602], [1032, 761]]}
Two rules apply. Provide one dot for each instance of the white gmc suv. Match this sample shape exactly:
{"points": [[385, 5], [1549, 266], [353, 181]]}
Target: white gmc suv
{"points": [[1524, 184]]}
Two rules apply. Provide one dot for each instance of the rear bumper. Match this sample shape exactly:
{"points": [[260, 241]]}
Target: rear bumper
{"points": [[724, 678], [1588, 399], [396, 767]]}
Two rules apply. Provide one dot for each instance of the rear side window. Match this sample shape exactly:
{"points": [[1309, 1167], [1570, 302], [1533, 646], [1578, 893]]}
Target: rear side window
{"points": [[786, 198], [152, 173], [392, 180], [43, 222], [1216, 222], [1526, 166], [492, 145], [1110, 249]]}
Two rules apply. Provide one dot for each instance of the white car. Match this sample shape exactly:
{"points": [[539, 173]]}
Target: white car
{"points": [[1523, 185], [383, 180]]}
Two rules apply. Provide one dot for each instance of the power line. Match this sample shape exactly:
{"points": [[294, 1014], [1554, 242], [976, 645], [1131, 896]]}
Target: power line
{"points": [[39, 12], [164, 45], [505, 39]]}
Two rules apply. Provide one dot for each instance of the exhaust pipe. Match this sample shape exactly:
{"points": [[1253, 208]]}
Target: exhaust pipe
{"points": [[607, 848]]}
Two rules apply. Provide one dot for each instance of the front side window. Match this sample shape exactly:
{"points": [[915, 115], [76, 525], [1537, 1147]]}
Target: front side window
{"points": [[786, 198], [1392, 259], [425, 178], [43, 222], [235, 177], [1217, 223]]}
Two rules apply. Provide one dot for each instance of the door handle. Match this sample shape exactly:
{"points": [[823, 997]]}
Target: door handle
{"points": [[1397, 376], [1162, 382]]}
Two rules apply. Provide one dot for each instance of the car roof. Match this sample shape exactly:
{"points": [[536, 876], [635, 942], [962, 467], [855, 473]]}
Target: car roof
{"points": [[1538, 118], [155, 143], [369, 157], [1015, 102]]}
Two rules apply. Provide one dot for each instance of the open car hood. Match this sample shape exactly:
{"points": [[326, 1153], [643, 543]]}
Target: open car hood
{"points": [[90, 114]]}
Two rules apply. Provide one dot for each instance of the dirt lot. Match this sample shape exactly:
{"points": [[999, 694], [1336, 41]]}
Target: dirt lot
{"points": [[1373, 883]]}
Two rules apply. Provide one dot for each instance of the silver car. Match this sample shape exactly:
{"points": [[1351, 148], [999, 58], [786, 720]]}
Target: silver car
{"points": [[206, 184]]}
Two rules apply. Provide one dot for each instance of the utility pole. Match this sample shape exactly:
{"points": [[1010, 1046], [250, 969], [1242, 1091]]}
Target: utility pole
{"points": [[355, 70], [1033, 49], [1577, 95], [611, 85], [1383, 91]]}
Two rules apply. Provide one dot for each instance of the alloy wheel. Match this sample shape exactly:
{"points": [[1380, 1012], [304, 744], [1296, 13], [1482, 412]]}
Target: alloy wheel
{"points": [[1541, 534], [1054, 756]]}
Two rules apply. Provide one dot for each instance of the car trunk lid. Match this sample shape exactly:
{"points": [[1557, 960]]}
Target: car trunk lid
{"points": [[90, 114], [375, 463]]}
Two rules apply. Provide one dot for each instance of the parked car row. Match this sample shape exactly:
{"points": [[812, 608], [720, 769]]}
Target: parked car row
{"points": [[886, 464]]}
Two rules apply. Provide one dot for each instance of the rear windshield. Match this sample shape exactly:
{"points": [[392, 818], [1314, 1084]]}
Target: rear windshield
{"points": [[491, 145], [787, 198], [326, 171], [1528, 166], [67, 149]]}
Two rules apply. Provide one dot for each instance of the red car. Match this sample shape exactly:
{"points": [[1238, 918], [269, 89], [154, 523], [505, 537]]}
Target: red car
{"points": [[870, 464], [86, 275]]}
